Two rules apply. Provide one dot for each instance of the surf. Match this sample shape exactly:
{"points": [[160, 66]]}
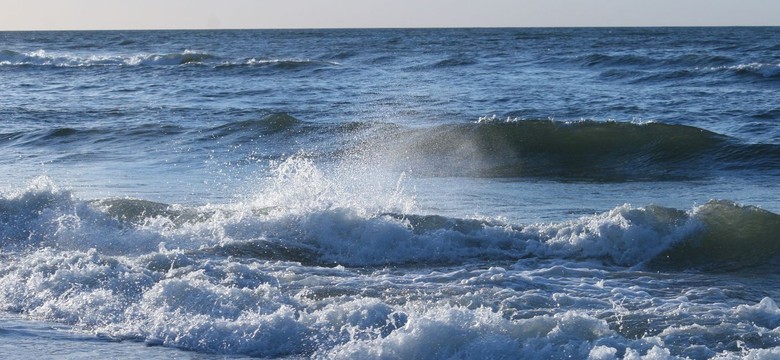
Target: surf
{"points": [[305, 215]]}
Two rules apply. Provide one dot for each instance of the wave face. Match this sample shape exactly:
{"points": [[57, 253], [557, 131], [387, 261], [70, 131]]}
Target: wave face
{"points": [[585, 150]]}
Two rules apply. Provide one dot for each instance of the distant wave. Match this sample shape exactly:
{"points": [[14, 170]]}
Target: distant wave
{"points": [[288, 63], [56, 136], [617, 60], [450, 62], [642, 68], [753, 72], [763, 70], [187, 57], [184, 58], [44, 58], [245, 131], [455, 61], [687, 60], [238, 131]]}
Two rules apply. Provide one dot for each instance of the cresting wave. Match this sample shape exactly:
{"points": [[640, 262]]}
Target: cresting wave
{"points": [[581, 150], [305, 216], [301, 268]]}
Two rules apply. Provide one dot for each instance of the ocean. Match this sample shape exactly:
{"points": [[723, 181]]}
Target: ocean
{"points": [[561, 193]]}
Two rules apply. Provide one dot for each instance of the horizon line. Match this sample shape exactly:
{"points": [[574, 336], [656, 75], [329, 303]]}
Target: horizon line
{"points": [[399, 28]]}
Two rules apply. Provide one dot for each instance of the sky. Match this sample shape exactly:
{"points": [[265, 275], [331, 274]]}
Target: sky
{"points": [[271, 14]]}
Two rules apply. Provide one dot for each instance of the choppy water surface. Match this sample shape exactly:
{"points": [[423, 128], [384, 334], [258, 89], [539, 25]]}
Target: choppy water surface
{"points": [[448, 193]]}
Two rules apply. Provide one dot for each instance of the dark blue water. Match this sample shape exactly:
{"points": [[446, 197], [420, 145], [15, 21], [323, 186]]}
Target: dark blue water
{"points": [[441, 193]]}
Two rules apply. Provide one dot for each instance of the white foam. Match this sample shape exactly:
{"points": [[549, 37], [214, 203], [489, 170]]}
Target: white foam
{"points": [[274, 309], [161, 279], [46, 58], [626, 235], [343, 219], [444, 332], [602, 352], [656, 353], [765, 313], [752, 354]]}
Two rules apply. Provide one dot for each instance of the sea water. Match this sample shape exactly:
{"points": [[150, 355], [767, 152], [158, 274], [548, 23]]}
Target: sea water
{"points": [[421, 193]]}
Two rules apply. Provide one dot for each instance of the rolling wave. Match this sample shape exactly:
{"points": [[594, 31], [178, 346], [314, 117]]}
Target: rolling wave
{"points": [[761, 70], [586, 150], [324, 227]]}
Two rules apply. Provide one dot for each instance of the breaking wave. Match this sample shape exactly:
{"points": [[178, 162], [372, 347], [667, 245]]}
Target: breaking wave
{"points": [[279, 273], [306, 216]]}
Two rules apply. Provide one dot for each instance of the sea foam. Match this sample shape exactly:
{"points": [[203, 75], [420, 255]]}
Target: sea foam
{"points": [[308, 215], [297, 270]]}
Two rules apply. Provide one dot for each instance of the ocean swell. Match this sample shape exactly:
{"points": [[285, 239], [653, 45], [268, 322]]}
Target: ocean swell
{"points": [[582, 150], [567, 151]]}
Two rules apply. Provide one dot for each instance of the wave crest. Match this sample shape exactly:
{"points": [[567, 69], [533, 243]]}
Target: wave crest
{"points": [[45, 58], [306, 216]]}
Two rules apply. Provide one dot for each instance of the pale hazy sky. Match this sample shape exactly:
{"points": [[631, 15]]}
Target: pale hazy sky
{"points": [[207, 14]]}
